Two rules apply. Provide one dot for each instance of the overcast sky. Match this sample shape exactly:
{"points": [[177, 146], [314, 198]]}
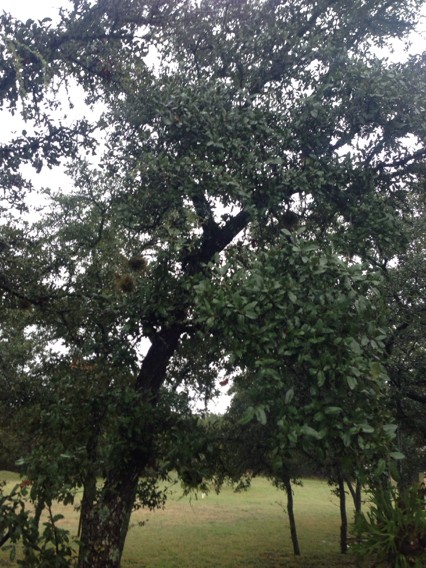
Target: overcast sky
{"points": [[24, 9]]}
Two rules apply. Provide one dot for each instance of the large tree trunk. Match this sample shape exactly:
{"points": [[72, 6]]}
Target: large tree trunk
{"points": [[291, 518], [105, 524]]}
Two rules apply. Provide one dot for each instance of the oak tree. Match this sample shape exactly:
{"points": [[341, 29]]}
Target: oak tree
{"points": [[257, 119]]}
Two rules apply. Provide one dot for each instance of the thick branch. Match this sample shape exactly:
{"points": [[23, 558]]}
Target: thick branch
{"points": [[214, 241], [154, 366], [204, 213], [5, 538], [417, 397], [165, 342], [392, 339]]}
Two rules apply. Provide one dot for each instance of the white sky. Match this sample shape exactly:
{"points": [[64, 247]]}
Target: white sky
{"points": [[25, 9]]}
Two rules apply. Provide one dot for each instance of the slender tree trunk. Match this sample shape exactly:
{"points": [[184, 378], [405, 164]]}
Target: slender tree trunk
{"points": [[343, 515], [291, 518], [356, 495]]}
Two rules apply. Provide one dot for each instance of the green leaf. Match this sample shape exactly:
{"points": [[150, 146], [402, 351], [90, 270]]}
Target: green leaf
{"points": [[381, 467], [390, 430], [308, 431], [333, 410], [251, 305], [352, 382], [260, 414], [355, 346], [310, 247], [320, 378], [346, 438], [289, 395], [292, 436], [247, 416], [250, 315], [292, 297], [397, 456], [393, 470]]}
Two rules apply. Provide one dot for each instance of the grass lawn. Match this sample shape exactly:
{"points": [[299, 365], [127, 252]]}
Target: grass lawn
{"points": [[232, 530]]}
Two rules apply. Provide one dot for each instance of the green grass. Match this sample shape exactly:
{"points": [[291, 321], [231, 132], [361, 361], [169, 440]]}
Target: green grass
{"points": [[248, 529], [232, 530]]}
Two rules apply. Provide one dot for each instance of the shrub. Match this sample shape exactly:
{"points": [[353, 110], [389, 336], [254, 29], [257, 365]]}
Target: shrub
{"points": [[393, 531]]}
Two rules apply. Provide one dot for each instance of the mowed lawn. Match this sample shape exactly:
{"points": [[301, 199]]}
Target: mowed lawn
{"points": [[232, 530]]}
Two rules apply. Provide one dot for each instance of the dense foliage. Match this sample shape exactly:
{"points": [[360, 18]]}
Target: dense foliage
{"points": [[393, 530], [244, 190]]}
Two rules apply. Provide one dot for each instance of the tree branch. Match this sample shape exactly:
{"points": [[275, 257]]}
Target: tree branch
{"points": [[417, 397], [165, 342]]}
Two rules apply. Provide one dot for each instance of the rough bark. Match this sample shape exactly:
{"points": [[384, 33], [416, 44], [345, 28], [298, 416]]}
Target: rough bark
{"points": [[86, 512], [105, 522], [105, 525]]}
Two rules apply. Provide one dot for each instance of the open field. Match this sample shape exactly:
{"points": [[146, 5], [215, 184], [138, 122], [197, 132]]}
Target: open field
{"points": [[233, 530]]}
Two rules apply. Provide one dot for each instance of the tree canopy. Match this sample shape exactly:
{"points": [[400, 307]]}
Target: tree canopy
{"points": [[241, 188]]}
